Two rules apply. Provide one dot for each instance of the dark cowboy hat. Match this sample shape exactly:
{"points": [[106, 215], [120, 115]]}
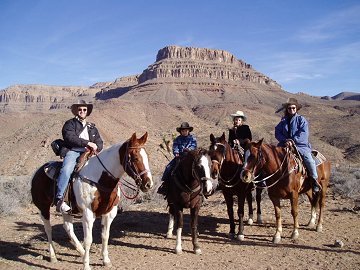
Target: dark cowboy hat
{"points": [[81, 103], [184, 125], [292, 101]]}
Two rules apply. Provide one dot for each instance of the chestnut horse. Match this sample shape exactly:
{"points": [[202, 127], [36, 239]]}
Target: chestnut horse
{"points": [[97, 192], [190, 181], [285, 181], [226, 166]]}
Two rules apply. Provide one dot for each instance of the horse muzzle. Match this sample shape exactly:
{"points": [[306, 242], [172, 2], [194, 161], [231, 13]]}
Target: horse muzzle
{"points": [[246, 176]]}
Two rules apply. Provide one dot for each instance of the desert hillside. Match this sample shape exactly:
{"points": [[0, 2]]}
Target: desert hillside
{"points": [[201, 86]]}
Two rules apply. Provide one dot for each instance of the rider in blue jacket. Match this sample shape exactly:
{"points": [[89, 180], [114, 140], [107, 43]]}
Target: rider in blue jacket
{"points": [[182, 143], [294, 128]]}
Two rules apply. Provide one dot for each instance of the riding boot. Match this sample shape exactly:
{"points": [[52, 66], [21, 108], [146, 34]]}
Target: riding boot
{"points": [[163, 189], [316, 186]]}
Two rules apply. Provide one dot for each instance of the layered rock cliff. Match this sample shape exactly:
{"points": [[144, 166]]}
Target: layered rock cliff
{"points": [[203, 64]]}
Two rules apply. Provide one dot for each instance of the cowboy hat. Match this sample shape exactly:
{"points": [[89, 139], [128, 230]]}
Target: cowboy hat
{"points": [[81, 103], [239, 114], [184, 125], [292, 101]]}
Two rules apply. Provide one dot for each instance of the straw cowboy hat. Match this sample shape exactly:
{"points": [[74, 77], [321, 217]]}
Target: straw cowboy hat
{"points": [[292, 101], [239, 114], [81, 103], [184, 125]]}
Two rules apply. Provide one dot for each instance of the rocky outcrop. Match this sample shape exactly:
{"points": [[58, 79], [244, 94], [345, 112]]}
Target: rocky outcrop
{"points": [[187, 63], [42, 97]]}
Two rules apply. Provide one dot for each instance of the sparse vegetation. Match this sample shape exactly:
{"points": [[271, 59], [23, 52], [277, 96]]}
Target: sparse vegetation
{"points": [[15, 190], [345, 181], [14, 194]]}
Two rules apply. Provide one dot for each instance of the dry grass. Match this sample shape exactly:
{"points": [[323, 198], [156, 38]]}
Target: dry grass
{"points": [[15, 190]]}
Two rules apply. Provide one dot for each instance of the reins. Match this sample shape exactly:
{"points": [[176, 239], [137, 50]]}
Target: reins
{"points": [[226, 182], [126, 164], [285, 173]]}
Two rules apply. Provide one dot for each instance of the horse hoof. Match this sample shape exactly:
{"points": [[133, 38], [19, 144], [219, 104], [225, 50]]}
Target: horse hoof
{"points": [[295, 235], [276, 240], [232, 235], [259, 220], [311, 224], [169, 235], [53, 259], [319, 228], [178, 251], [197, 251], [240, 237], [107, 264], [250, 221]]}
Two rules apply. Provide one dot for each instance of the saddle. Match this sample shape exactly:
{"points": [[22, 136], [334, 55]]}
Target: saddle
{"points": [[301, 168], [52, 170]]}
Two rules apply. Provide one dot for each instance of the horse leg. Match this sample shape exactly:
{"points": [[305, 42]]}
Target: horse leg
{"points": [[105, 223], [170, 229], [194, 230], [321, 209], [69, 228], [48, 231], [313, 204], [241, 204], [249, 199], [229, 206], [294, 199], [179, 227], [258, 204], [277, 235], [88, 219]]}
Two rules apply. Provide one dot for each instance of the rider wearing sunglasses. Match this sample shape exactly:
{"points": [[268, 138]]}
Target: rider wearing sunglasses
{"points": [[294, 128], [78, 135]]}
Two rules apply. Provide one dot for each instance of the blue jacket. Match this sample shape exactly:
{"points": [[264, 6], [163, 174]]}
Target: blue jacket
{"points": [[184, 142], [299, 132]]}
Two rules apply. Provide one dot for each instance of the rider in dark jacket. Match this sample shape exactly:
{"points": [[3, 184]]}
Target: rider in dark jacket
{"points": [[78, 135]]}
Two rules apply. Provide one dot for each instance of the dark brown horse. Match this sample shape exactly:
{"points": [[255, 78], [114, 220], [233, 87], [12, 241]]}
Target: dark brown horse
{"points": [[227, 166], [189, 183], [285, 181], [97, 192]]}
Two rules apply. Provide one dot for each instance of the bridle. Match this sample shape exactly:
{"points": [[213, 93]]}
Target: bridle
{"points": [[226, 182], [261, 161], [131, 169]]}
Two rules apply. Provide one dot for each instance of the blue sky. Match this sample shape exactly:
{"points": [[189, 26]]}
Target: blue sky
{"points": [[310, 46]]}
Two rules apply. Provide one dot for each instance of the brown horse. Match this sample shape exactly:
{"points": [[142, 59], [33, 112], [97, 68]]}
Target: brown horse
{"points": [[226, 166], [285, 181], [97, 192], [189, 183]]}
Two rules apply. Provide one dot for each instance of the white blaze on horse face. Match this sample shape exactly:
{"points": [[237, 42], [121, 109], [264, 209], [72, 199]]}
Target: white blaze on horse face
{"points": [[204, 161], [246, 156], [146, 165]]}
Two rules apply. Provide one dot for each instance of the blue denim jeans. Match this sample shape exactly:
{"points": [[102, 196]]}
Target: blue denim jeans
{"points": [[67, 169], [168, 170], [310, 165]]}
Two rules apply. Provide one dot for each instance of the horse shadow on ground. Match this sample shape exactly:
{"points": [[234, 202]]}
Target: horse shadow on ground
{"points": [[136, 224]]}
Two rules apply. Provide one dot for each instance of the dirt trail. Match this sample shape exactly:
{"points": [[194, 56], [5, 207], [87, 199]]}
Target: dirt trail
{"points": [[137, 240]]}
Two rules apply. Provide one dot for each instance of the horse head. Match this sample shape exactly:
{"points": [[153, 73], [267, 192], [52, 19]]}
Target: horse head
{"points": [[217, 151], [253, 161], [201, 170], [136, 163]]}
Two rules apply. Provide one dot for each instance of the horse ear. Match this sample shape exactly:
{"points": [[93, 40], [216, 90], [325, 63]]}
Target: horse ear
{"points": [[259, 143], [212, 138], [223, 136], [143, 139], [133, 137]]}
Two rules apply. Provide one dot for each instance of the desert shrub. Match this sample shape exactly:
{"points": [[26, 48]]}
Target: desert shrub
{"points": [[14, 194], [345, 181]]}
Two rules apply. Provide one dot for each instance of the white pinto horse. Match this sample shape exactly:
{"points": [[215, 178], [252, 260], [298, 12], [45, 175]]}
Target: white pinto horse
{"points": [[97, 192]]}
